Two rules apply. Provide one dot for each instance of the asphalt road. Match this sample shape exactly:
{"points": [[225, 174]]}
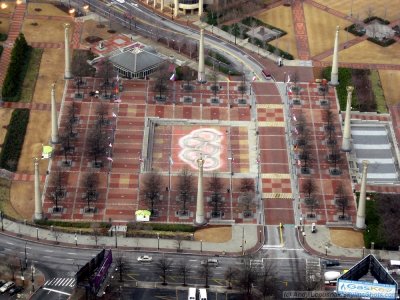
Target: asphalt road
{"points": [[146, 22]]}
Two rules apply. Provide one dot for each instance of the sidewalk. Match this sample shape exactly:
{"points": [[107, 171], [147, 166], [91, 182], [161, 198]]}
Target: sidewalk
{"points": [[241, 234], [315, 244], [249, 46]]}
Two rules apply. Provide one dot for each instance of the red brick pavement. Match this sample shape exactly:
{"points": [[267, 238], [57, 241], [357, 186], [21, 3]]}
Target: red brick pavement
{"points": [[327, 184], [13, 32], [300, 29]]}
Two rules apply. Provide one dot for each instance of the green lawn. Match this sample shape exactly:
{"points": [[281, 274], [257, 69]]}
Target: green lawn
{"points": [[378, 92], [28, 86]]}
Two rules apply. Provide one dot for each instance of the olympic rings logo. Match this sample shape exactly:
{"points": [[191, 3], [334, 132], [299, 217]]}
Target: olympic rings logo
{"points": [[204, 141]]}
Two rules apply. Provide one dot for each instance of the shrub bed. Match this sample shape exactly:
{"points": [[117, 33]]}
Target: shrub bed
{"points": [[162, 227], [1, 50], [382, 43], [353, 28], [14, 139], [3, 37], [17, 69], [373, 18], [70, 224]]}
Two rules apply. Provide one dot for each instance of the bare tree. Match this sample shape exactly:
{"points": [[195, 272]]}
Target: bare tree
{"points": [[57, 186], [215, 186], [90, 184], [161, 82], [247, 277], [121, 265], [206, 273], [152, 189], [215, 86], [102, 111], [242, 88], [185, 188], [97, 142], [188, 76], [95, 231], [342, 201], [246, 185], [65, 142], [230, 275], [13, 265], [163, 266], [335, 157], [105, 71], [267, 280], [179, 238], [309, 188], [78, 69], [184, 270]]}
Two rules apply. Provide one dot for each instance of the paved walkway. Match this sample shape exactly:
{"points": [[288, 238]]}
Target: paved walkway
{"points": [[300, 29], [241, 234], [15, 28]]}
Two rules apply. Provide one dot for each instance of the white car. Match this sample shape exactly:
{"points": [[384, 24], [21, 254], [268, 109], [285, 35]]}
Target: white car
{"points": [[6, 287], [144, 258], [121, 1]]}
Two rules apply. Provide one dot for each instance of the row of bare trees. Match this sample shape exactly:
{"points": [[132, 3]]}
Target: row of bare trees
{"points": [[256, 281], [153, 187]]}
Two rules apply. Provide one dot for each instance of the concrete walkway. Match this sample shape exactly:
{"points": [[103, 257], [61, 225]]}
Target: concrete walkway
{"points": [[241, 234]]}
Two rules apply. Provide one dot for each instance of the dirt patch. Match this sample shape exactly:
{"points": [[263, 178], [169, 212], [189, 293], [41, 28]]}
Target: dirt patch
{"points": [[48, 73], [4, 25], [214, 234], [90, 29], [5, 116], [363, 88], [23, 190], [46, 9], [347, 238], [41, 32]]}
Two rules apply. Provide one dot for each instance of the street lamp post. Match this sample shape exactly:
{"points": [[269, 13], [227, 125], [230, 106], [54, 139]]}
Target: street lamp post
{"points": [[32, 277], [326, 250], [363, 252], [1, 217], [201, 245], [37, 233], [116, 238], [76, 240], [26, 258], [260, 236], [158, 241], [304, 236]]}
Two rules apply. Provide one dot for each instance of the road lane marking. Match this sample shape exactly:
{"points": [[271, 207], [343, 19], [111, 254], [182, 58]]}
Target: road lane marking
{"points": [[9, 243], [60, 292], [47, 250], [71, 253]]}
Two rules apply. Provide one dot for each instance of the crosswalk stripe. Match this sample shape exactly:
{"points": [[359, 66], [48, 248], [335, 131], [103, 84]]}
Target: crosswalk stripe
{"points": [[61, 283]]}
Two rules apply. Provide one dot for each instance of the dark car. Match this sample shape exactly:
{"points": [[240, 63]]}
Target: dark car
{"points": [[2, 282], [330, 263], [15, 290]]}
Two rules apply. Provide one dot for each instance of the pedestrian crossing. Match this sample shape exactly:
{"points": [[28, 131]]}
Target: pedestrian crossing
{"points": [[69, 282]]}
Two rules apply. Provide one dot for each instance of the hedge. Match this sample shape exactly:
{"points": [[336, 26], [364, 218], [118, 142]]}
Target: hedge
{"points": [[14, 139], [380, 20], [353, 29], [3, 37], [1, 50], [16, 71], [219, 57], [382, 43], [70, 224], [162, 227]]}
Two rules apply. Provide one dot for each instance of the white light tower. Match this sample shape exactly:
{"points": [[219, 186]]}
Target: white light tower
{"points": [[201, 4], [334, 73], [201, 76], [200, 220], [54, 121], [38, 196], [360, 223], [67, 73], [346, 142]]}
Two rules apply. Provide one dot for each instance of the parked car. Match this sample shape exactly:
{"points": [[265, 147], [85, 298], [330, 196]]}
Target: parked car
{"points": [[2, 282], [6, 287], [144, 258], [15, 290], [330, 262], [211, 262]]}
